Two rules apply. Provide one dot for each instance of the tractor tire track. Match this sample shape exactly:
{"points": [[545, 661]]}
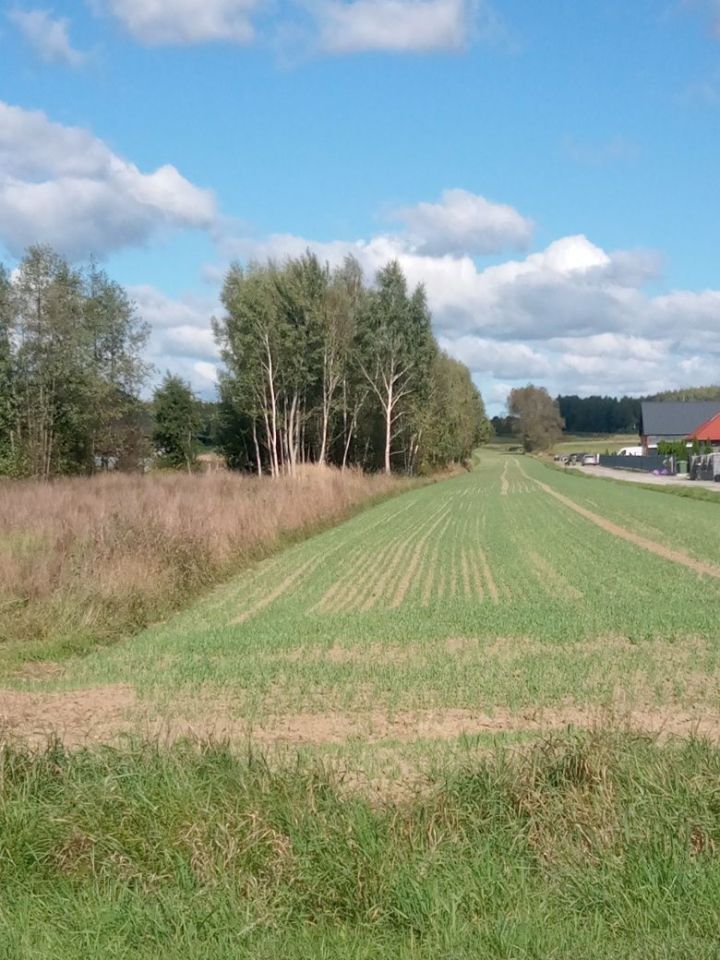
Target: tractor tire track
{"points": [[674, 556]]}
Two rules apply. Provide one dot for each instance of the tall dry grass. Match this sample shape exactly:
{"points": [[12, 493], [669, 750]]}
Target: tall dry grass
{"points": [[83, 561]]}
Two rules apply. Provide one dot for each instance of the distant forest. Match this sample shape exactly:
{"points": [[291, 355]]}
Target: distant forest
{"points": [[607, 414]]}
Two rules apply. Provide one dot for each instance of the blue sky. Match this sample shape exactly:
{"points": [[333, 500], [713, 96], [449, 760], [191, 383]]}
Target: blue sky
{"points": [[548, 170]]}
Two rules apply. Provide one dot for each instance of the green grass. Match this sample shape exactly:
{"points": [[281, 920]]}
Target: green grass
{"points": [[592, 846], [596, 443], [383, 792], [480, 593]]}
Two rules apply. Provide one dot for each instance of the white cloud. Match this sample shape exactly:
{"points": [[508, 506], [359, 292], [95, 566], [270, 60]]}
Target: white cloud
{"points": [[187, 341], [164, 312], [506, 360], [48, 36], [207, 372], [613, 345], [394, 25], [180, 22], [464, 222], [336, 26], [573, 316], [63, 186], [181, 337]]}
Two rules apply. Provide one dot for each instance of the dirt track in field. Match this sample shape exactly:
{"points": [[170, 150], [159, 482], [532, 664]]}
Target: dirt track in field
{"points": [[675, 556], [105, 713]]}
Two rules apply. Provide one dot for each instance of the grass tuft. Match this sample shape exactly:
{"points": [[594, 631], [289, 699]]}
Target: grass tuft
{"points": [[593, 845]]}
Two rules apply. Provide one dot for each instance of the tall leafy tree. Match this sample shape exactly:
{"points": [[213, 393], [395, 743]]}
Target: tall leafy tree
{"points": [[8, 443], [395, 345], [177, 421], [52, 359], [70, 368], [249, 340], [539, 423], [349, 299], [454, 420], [301, 296], [320, 367], [117, 370]]}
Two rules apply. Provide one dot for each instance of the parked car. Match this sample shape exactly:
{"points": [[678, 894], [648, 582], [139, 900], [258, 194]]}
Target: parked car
{"points": [[630, 452], [590, 460]]}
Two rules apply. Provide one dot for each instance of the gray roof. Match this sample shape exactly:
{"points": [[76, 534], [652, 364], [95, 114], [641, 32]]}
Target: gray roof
{"points": [[673, 418]]}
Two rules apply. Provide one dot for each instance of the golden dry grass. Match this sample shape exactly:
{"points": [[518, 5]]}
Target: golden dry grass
{"points": [[84, 560]]}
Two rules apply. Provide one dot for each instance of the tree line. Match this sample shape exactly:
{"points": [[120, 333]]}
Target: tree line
{"points": [[620, 414], [320, 365], [606, 415], [71, 369]]}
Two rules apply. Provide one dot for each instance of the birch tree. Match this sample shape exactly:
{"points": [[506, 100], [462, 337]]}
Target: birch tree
{"points": [[394, 346]]}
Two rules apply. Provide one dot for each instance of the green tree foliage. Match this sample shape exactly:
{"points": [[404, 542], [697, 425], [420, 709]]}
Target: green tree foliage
{"points": [[178, 418], [7, 390], [504, 426], [453, 421], [689, 393], [319, 366], [683, 449], [117, 338], [70, 369], [619, 414], [539, 423], [395, 350], [600, 414]]}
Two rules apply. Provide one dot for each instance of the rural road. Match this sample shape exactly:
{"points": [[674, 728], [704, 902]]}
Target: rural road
{"points": [[633, 476]]}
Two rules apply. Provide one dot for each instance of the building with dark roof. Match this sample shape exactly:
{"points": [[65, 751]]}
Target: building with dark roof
{"points": [[673, 419]]}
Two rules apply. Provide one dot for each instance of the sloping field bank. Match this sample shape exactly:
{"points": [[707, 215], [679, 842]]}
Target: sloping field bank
{"points": [[399, 782], [595, 847]]}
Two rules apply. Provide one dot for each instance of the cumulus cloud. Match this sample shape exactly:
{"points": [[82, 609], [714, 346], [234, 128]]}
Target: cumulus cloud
{"points": [[48, 36], [164, 313], [464, 222], [326, 26], [572, 316], [63, 186], [184, 22], [187, 341], [181, 337], [394, 25]]}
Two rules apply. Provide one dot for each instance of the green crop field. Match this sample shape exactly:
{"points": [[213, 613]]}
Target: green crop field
{"points": [[478, 719], [507, 599]]}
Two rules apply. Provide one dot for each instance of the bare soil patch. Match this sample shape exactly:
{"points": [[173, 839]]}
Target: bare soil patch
{"points": [[504, 482], [76, 717], [103, 714], [337, 728]]}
